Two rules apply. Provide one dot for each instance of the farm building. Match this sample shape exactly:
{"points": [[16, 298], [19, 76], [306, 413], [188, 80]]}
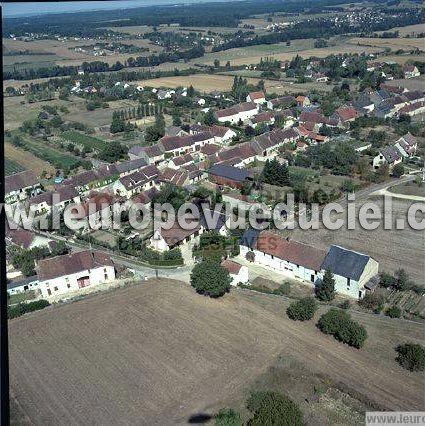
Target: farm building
{"points": [[167, 239], [62, 274], [352, 270]]}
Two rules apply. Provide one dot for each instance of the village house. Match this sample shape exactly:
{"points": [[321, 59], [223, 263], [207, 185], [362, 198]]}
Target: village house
{"points": [[237, 272], [22, 285], [411, 71], [180, 161], [59, 199], [178, 177], [136, 182], [413, 109], [407, 145], [240, 112], [224, 175], [25, 239], [151, 154], [389, 155], [302, 101], [256, 97], [281, 102], [144, 198], [222, 134], [173, 146], [167, 239], [265, 117], [345, 114], [71, 272], [352, 271], [19, 186]]}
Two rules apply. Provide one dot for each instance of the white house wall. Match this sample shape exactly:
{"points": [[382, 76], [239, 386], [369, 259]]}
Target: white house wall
{"points": [[69, 283]]}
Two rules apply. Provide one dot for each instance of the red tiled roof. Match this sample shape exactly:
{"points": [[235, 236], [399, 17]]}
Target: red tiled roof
{"points": [[256, 95], [231, 266], [73, 263], [290, 250], [19, 180]]}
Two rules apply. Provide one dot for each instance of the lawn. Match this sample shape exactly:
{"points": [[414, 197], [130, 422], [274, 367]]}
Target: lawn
{"points": [[83, 140], [409, 188]]}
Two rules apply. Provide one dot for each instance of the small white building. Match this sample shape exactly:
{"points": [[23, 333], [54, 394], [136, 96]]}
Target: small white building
{"points": [[62, 274], [238, 273], [167, 239], [389, 155], [256, 97]]}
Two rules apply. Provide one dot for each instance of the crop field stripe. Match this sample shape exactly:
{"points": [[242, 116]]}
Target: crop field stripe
{"points": [[84, 140], [11, 167]]}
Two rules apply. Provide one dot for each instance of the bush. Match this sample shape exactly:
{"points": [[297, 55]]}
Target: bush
{"points": [[302, 310], [393, 312], [411, 356], [345, 304], [342, 327], [228, 417], [372, 302], [23, 308], [386, 280], [272, 408], [284, 289]]}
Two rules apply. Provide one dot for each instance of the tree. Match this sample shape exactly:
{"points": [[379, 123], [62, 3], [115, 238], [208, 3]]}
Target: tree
{"points": [[411, 356], [209, 118], [326, 290], [386, 280], [112, 152], [216, 63], [272, 408], [339, 324], [373, 302], [398, 170], [210, 279], [402, 282], [302, 310], [228, 417]]}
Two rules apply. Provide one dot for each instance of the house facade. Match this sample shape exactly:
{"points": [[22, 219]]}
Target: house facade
{"points": [[62, 274]]}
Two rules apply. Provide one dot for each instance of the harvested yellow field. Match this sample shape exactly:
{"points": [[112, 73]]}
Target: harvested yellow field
{"points": [[409, 29], [202, 82], [391, 43]]}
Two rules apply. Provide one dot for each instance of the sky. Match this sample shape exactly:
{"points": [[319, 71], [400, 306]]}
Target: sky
{"points": [[38, 8]]}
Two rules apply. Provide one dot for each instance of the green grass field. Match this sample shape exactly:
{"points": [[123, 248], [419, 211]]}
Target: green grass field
{"points": [[83, 140], [11, 167]]}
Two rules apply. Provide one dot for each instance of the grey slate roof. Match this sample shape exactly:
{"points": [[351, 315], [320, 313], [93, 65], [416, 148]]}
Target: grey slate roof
{"points": [[229, 172], [250, 237], [345, 263]]}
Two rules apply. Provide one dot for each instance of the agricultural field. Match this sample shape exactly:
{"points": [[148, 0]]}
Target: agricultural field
{"points": [[304, 48], [26, 159], [47, 153], [391, 43], [11, 167], [158, 351], [82, 140], [416, 83], [410, 30], [201, 82]]}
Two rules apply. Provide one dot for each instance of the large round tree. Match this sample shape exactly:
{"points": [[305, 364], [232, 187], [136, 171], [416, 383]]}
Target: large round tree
{"points": [[210, 278]]}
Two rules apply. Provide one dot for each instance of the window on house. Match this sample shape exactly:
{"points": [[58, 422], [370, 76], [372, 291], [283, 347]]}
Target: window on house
{"points": [[68, 285], [55, 288]]}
